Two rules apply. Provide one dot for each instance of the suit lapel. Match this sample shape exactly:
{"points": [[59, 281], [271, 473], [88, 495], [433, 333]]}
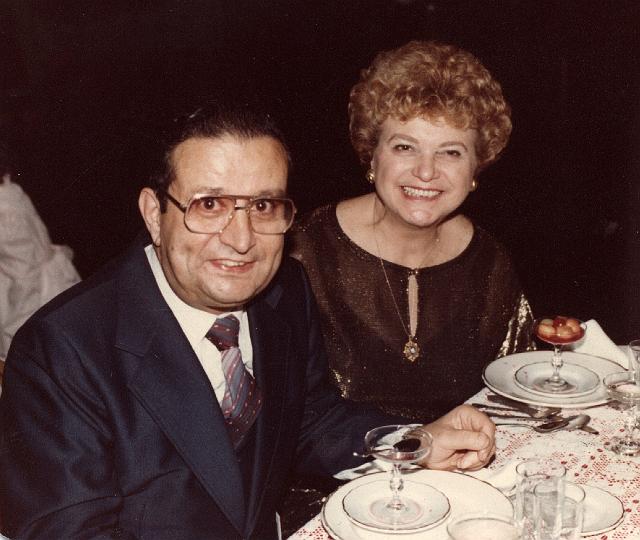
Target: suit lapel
{"points": [[271, 342], [172, 386]]}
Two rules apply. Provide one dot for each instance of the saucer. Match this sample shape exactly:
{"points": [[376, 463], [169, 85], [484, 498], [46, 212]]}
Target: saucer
{"points": [[582, 381], [362, 502], [602, 511], [465, 493]]}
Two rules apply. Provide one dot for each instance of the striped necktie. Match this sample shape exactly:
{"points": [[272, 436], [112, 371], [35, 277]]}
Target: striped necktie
{"points": [[242, 399]]}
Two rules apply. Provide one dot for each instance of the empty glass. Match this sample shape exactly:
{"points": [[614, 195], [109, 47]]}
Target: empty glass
{"points": [[625, 389], [528, 475], [558, 514], [634, 365], [483, 526]]}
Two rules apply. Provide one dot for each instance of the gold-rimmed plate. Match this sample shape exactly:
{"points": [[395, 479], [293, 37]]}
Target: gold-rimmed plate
{"points": [[499, 376], [465, 494]]}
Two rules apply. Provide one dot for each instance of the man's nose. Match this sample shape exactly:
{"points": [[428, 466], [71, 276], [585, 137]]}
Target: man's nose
{"points": [[238, 233], [425, 167]]}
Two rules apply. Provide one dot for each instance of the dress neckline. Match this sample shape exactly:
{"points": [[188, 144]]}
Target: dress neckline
{"points": [[368, 256]]}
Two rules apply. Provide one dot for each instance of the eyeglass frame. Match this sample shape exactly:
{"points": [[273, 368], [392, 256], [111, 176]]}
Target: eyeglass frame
{"points": [[247, 208]]}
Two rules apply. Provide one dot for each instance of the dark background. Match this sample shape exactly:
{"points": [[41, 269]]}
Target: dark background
{"points": [[85, 85]]}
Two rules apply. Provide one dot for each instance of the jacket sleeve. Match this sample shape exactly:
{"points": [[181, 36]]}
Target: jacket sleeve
{"points": [[332, 427], [58, 472]]}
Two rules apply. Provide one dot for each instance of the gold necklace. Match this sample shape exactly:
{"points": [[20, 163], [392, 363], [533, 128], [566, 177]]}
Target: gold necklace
{"points": [[411, 348]]}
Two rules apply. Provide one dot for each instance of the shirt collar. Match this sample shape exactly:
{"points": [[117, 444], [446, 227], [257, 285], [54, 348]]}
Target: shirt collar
{"points": [[195, 323]]}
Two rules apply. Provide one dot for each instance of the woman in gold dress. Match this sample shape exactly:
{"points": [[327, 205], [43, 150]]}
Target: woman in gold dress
{"points": [[415, 298]]}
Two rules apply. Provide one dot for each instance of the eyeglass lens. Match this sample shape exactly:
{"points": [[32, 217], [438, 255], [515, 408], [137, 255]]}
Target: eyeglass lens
{"points": [[209, 214]]}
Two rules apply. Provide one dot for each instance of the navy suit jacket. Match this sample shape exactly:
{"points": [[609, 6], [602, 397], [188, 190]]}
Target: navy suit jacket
{"points": [[111, 429]]}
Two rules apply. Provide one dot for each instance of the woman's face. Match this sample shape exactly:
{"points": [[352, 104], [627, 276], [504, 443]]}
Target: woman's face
{"points": [[423, 169]]}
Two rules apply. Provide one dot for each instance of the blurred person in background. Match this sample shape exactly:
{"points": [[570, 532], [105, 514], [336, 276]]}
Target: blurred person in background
{"points": [[32, 269]]}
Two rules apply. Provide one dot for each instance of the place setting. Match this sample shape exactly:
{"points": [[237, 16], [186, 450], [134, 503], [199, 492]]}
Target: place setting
{"points": [[419, 504], [412, 503], [556, 378]]}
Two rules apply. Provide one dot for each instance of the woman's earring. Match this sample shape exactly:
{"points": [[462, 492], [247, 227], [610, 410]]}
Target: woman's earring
{"points": [[474, 184], [371, 176]]}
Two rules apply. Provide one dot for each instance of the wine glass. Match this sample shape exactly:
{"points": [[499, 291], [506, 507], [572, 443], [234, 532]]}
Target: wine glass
{"points": [[634, 365], [399, 445], [622, 387], [558, 331]]}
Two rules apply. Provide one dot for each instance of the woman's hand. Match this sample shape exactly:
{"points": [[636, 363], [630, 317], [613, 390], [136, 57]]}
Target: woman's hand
{"points": [[462, 439]]}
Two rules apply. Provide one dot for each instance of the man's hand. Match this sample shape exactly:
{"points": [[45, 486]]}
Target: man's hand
{"points": [[462, 439]]}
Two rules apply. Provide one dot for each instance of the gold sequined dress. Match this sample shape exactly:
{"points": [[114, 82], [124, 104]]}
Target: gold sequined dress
{"points": [[471, 310]]}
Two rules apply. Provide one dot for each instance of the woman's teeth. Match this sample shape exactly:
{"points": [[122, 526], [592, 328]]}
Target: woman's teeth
{"points": [[414, 192]]}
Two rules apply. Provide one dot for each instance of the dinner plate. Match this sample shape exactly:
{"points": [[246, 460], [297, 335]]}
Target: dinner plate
{"points": [[602, 511], [499, 377], [532, 377], [431, 505], [465, 493]]}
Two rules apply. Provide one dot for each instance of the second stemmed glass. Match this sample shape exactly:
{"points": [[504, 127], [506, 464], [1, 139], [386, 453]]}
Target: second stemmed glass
{"points": [[623, 388], [558, 331]]}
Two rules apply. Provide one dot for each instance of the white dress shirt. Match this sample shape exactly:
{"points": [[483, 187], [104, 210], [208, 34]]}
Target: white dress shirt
{"points": [[195, 324]]}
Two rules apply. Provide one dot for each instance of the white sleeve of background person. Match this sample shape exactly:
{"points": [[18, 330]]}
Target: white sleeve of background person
{"points": [[32, 269]]}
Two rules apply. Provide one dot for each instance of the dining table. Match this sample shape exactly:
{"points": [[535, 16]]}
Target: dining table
{"points": [[585, 455]]}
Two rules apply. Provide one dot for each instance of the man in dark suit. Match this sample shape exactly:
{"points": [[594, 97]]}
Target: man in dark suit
{"points": [[168, 396]]}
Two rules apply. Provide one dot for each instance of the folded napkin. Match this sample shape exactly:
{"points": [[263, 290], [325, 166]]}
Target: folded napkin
{"points": [[597, 343], [503, 479]]}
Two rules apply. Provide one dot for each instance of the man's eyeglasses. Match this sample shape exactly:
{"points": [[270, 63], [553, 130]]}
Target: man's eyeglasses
{"points": [[210, 214]]}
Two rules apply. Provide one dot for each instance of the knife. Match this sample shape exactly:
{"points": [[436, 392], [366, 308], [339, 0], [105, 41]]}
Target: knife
{"points": [[527, 409]]}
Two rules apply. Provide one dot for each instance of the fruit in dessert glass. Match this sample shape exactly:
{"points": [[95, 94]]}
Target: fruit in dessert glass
{"points": [[558, 331]]}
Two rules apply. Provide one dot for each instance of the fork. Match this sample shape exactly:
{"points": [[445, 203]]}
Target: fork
{"points": [[531, 410]]}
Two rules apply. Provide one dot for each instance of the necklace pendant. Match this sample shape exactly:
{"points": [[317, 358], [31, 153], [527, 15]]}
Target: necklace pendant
{"points": [[411, 350]]}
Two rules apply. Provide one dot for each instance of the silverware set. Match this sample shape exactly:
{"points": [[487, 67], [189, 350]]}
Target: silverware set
{"points": [[518, 414]]}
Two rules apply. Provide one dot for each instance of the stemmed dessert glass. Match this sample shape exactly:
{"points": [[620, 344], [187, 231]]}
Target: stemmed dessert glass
{"points": [[400, 445], [558, 331], [623, 388]]}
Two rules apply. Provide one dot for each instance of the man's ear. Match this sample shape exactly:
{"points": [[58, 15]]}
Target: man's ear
{"points": [[149, 206]]}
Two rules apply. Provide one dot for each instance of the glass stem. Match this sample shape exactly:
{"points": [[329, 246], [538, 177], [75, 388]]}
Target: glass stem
{"points": [[556, 362], [396, 484], [630, 424]]}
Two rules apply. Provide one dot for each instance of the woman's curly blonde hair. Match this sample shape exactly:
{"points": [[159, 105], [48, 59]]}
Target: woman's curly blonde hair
{"points": [[431, 80]]}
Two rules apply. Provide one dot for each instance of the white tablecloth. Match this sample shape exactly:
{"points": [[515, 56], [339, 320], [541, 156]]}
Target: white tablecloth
{"points": [[585, 456]]}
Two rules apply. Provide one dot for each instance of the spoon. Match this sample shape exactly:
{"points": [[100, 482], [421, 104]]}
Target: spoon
{"points": [[580, 421]]}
